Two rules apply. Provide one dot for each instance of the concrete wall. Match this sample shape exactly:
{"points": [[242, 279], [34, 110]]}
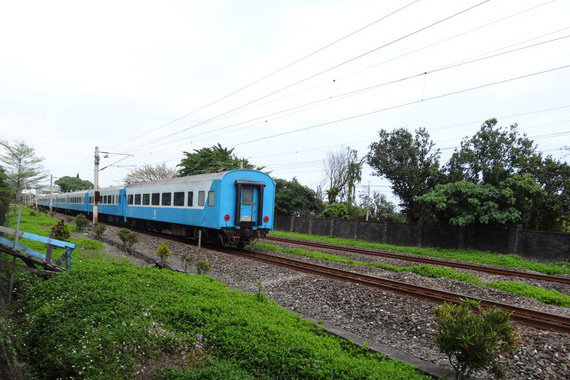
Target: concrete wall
{"points": [[538, 245]]}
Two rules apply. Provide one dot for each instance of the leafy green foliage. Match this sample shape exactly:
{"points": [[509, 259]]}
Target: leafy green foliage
{"points": [[211, 160], [291, 198], [408, 162], [505, 260], [68, 184], [336, 209], [61, 231], [473, 337], [116, 320], [203, 267], [552, 297], [163, 251], [466, 203], [128, 237], [99, 230], [6, 193], [80, 222]]}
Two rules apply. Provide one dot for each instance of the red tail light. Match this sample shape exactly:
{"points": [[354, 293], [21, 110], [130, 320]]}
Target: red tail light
{"points": [[227, 217], [266, 219]]}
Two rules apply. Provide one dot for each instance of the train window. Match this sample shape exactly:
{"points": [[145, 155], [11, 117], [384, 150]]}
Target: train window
{"points": [[146, 199], [190, 198], [211, 198], [130, 200], [166, 199], [201, 198], [179, 198], [91, 200], [247, 195], [155, 199], [105, 199], [137, 199]]}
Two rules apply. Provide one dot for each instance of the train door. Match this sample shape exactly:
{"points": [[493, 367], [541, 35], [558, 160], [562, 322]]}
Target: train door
{"points": [[249, 205]]}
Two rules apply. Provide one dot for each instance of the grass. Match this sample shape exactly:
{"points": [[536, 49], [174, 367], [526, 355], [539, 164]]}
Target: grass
{"points": [[551, 297], [114, 320], [490, 258]]}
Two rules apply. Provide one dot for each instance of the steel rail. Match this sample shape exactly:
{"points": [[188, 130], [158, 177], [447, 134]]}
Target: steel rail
{"points": [[529, 317], [427, 260]]}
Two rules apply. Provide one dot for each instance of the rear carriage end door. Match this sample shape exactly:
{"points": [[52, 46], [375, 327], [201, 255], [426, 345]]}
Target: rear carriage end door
{"points": [[249, 204], [248, 209]]}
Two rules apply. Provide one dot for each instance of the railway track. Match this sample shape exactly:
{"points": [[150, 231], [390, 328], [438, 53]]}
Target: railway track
{"points": [[541, 320], [427, 260]]}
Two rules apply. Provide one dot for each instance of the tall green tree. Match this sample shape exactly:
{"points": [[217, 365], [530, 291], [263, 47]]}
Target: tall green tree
{"points": [[211, 160], [410, 163], [67, 184], [291, 198], [492, 155], [509, 161], [22, 167]]}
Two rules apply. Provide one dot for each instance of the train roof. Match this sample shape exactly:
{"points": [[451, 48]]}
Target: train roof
{"points": [[193, 178]]}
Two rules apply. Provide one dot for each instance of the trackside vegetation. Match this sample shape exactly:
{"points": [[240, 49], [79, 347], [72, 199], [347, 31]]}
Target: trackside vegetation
{"points": [[548, 296], [113, 320], [471, 255]]}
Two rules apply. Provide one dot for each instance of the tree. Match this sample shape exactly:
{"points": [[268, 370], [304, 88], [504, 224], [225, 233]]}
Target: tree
{"points": [[6, 193], [378, 206], [22, 168], [409, 163], [150, 173], [67, 184], [211, 160], [492, 155], [465, 203], [344, 171], [507, 160], [292, 197]]}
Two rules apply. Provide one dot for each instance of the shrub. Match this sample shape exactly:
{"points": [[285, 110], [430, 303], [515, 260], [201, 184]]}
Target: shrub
{"points": [[99, 230], [61, 231], [336, 209], [128, 237], [80, 222], [473, 337], [163, 251], [203, 267]]}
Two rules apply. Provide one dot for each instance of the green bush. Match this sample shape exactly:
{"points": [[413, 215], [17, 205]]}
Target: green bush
{"points": [[203, 267], [61, 231], [99, 230], [128, 237], [336, 209], [163, 251], [473, 337], [80, 223]]}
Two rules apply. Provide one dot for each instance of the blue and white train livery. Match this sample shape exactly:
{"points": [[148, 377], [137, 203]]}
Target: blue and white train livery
{"points": [[230, 208]]}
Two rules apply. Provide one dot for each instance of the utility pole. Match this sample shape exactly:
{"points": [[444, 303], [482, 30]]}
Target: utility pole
{"points": [[96, 190], [50, 192]]}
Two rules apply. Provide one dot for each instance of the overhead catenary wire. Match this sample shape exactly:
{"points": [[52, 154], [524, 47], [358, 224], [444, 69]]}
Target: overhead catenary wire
{"points": [[278, 70], [403, 37]]}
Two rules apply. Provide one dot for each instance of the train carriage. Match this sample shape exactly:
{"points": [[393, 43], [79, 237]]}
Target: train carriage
{"points": [[230, 208]]}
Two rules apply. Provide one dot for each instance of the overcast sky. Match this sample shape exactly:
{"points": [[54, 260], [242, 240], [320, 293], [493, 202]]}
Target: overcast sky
{"points": [[282, 82]]}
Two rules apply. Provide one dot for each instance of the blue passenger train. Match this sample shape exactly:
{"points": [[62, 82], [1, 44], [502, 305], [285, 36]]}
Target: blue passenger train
{"points": [[229, 208]]}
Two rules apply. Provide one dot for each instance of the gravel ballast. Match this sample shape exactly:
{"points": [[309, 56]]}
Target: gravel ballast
{"points": [[398, 323]]}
